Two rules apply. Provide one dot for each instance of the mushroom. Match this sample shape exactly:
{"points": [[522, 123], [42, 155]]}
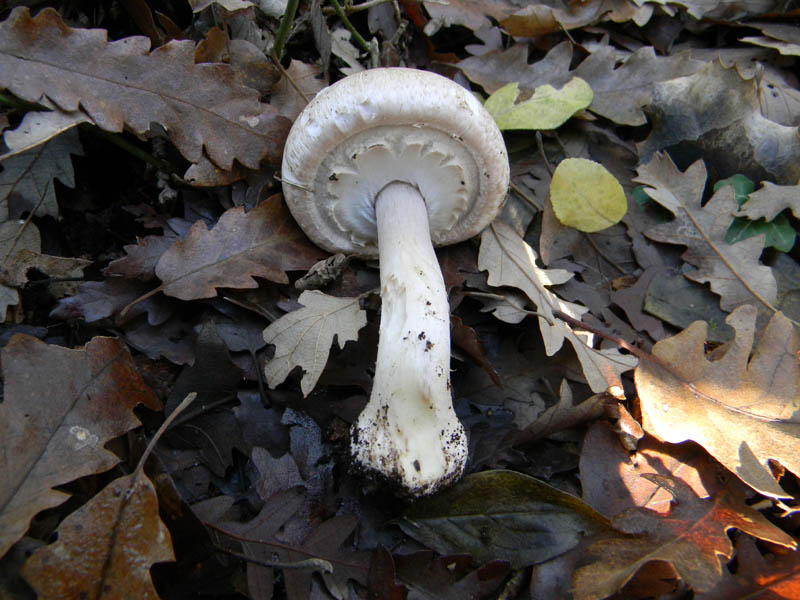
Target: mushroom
{"points": [[392, 162]]}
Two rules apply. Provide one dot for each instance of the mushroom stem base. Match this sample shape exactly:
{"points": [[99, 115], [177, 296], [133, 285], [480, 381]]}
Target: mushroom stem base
{"points": [[409, 431]]}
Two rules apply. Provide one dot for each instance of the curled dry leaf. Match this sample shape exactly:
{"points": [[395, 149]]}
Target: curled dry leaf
{"points": [[741, 408], [123, 84], [733, 270], [262, 243], [105, 548], [303, 337], [510, 261], [60, 407]]}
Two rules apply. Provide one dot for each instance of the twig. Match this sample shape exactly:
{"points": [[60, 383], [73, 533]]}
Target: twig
{"points": [[354, 8], [603, 255], [317, 564], [524, 196], [27, 221], [356, 36], [291, 80], [283, 29]]}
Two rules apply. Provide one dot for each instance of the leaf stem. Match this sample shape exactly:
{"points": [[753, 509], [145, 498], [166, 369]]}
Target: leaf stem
{"points": [[356, 36], [283, 30]]}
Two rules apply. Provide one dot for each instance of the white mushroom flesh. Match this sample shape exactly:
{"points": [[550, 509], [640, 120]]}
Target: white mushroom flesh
{"points": [[409, 430]]}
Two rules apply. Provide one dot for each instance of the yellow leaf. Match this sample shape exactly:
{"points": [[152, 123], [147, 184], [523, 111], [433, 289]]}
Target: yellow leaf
{"points": [[585, 196], [546, 109]]}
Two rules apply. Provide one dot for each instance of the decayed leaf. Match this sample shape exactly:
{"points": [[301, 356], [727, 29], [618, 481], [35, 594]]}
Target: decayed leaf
{"points": [[97, 300], [738, 408], [303, 337], [770, 200], [510, 261], [453, 577], [106, 547], [733, 270], [27, 179], [140, 259], [502, 514], [122, 84], [286, 98], [547, 108], [60, 407], [262, 243], [585, 196], [718, 110], [692, 537]]}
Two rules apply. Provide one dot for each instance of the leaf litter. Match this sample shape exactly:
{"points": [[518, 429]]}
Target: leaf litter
{"points": [[667, 420]]}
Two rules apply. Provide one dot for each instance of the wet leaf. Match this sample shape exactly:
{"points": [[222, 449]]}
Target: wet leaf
{"points": [[502, 515]]}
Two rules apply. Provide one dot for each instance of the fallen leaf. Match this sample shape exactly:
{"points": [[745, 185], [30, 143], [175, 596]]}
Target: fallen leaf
{"points": [[264, 242], [542, 18], [585, 196], [692, 537], [715, 110], [303, 337], [454, 577], [60, 408], [97, 300], [739, 408], [140, 259], [734, 271], [770, 200], [547, 108], [38, 127], [286, 98], [758, 576], [106, 547], [510, 261], [27, 178], [502, 515], [122, 84]]}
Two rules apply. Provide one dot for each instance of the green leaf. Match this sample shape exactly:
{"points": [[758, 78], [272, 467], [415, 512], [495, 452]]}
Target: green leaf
{"points": [[585, 196], [779, 233], [742, 187], [546, 109], [502, 514]]}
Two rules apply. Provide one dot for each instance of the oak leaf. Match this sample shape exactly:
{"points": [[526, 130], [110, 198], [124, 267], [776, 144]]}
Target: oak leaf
{"points": [[122, 84], [60, 407], [106, 547], [692, 537], [733, 270], [303, 337], [264, 242], [512, 262], [714, 110], [742, 409], [768, 201]]}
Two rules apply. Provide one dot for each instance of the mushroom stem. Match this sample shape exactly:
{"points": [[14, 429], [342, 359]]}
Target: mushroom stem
{"points": [[409, 431]]}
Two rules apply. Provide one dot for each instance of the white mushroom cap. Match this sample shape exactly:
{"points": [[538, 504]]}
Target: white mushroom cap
{"points": [[385, 125]]}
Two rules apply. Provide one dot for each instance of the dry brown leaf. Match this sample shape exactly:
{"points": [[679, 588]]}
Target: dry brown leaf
{"points": [[692, 537], [512, 262], [105, 548], [550, 16], [286, 97], [733, 270], [123, 84], [60, 408], [303, 337], [770, 200], [741, 409], [38, 127], [27, 179], [265, 242], [715, 111]]}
